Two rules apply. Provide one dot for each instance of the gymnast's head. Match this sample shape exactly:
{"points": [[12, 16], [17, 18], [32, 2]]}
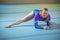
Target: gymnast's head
{"points": [[44, 12]]}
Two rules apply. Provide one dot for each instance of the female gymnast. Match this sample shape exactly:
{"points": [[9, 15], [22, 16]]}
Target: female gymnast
{"points": [[38, 15]]}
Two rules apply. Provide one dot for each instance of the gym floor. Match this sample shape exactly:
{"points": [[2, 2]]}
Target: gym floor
{"points": [[26, 31]]}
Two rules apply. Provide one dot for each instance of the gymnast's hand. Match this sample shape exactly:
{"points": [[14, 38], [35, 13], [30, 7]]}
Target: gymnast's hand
{"points": [[46, 28], [51, 22]]}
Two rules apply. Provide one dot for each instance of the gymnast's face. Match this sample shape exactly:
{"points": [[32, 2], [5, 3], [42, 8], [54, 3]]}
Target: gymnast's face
{"points": [[44, 13]]}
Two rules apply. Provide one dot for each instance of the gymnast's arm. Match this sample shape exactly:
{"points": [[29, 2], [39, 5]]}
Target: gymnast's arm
{"points": [[37, 26]]}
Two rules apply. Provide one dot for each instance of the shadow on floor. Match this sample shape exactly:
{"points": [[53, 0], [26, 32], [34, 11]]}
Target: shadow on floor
{"points": [[54, 26]]}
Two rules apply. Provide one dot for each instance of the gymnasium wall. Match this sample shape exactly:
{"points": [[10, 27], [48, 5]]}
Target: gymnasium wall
{"points": [[27, 1]]}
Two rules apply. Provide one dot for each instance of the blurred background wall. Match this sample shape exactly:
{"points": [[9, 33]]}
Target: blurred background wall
{"points": [[28, 1]]}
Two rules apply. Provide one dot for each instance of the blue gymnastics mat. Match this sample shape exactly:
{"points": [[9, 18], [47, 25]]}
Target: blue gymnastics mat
{"points": [[26, 31]]}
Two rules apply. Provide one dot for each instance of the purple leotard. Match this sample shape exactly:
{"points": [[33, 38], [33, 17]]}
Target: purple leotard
{"points": [[37, 17]]}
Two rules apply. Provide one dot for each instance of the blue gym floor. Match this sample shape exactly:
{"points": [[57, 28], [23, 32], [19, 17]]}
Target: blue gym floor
{"points": [[26, 31]]}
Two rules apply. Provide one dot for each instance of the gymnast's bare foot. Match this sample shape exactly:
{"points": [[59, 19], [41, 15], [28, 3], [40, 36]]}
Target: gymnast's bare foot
{"points": [[7, 26]]}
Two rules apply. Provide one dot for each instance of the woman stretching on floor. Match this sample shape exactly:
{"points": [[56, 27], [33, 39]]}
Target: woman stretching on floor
{"points": [[38, 15]]}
